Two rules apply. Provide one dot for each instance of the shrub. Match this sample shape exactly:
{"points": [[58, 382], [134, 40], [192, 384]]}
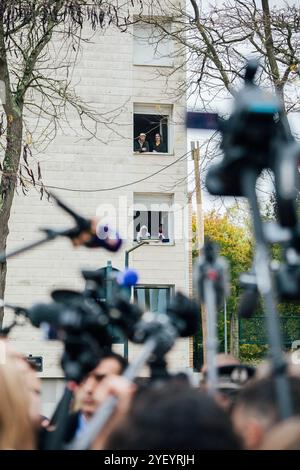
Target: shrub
{"points": [[252, 352]]}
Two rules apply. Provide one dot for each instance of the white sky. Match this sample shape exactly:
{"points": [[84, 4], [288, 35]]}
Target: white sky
{"points": [[222, 106]]}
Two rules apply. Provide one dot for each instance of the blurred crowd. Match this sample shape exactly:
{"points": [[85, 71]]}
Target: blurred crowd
{"points": [[170, 414]]}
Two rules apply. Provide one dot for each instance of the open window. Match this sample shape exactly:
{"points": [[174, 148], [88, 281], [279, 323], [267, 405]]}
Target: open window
{"points": [[152, 120], [153, 218]]}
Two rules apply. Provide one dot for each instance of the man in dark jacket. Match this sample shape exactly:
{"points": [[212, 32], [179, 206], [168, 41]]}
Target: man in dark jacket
{"points": [[141, 145], [87, 394]]}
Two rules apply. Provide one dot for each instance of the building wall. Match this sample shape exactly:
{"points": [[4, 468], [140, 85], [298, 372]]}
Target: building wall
{"points": [[105, 76]]}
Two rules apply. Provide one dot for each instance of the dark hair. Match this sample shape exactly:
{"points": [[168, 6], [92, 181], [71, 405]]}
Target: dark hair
{"points": [[174, 416], [120, 359], [259, 397]]}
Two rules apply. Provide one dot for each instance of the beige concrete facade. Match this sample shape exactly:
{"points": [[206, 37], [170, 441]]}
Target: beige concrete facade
{"points": [[106, 77]]}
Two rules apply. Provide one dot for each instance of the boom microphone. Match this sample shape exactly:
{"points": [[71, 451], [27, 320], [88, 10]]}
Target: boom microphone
{"points": [[45, 313], [104, 236]]}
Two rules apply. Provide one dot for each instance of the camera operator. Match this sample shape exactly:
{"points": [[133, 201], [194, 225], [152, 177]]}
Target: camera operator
{"points": [[91, 393]]}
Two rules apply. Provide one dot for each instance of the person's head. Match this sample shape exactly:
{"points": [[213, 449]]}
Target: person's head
{"points": [[144, 231], [174, 416], [87, 394], [16, 428], [283, 436], [142, 137], [157, 137], [256, 410]]}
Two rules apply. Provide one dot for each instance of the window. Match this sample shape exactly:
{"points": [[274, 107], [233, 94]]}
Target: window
{"points": [[156, 223], [153, 218], [154, 298], [152, 120], [151, 48]]}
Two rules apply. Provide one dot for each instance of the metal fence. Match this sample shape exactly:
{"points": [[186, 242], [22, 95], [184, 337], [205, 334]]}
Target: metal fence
{"points": [[253, 331]]}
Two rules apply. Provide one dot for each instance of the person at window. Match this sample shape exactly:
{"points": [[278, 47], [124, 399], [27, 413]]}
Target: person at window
{"points": [[158, 145], [141, 145], [143, 233], [160, 233]]}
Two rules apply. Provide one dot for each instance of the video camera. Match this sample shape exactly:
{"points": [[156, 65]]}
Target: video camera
{"points": [[257, 137], [83, 321]]}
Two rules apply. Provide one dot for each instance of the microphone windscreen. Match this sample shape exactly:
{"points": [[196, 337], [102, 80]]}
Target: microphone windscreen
{"points": [[43, 313], [66, 296], [128, 278], [105, 238], [185, 314], [248, 303]]}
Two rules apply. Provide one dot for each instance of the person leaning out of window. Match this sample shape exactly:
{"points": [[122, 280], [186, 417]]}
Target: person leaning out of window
{"points": [[158, 145], [143, 234], [141, 145]]}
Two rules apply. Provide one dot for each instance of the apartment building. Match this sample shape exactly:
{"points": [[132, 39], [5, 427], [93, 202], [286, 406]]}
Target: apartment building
{"points": [[120, 74]]}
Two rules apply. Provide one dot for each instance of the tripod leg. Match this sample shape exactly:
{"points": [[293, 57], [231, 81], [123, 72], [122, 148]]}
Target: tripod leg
{"points": [[210, 302], [264, 282]]}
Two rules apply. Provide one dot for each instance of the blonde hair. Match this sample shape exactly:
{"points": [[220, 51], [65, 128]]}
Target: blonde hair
{"points": [[16, 430]]}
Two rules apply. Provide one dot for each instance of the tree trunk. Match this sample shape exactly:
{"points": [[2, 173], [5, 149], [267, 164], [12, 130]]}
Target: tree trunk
{"points": [[7, 187], [234, 335]]}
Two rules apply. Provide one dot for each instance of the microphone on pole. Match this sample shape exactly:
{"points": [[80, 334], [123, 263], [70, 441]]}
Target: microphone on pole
{"points": [[89, 232], [86, 232]]}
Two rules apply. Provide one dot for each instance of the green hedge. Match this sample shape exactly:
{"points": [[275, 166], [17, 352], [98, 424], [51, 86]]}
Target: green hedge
{"points": [[252, 353]]}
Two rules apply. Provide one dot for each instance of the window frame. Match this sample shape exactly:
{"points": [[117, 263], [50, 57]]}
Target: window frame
{"points": [[158, 109], [142, 202], [171, 288], [149, 225]]}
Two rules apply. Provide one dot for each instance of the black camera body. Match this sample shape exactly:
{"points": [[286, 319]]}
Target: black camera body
{"points": [[253, 138], [84, 321]]}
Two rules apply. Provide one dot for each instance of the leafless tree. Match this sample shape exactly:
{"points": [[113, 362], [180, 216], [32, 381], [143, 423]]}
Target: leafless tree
{"points": [[39, 44], [219, 38], [216, 39]]}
